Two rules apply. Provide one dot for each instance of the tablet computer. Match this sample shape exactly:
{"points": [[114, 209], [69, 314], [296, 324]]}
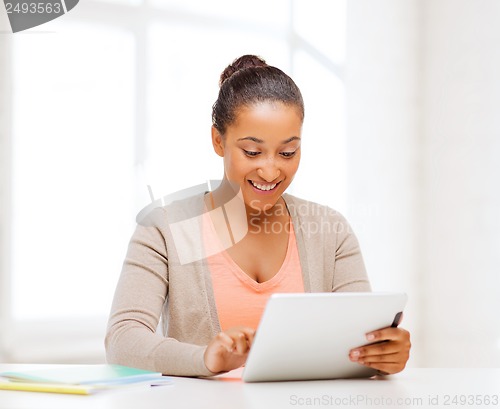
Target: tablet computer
{"points": [[309, 336]]}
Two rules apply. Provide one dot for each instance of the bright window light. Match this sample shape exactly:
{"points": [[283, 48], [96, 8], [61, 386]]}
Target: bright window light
{"points": [[73, 167]]}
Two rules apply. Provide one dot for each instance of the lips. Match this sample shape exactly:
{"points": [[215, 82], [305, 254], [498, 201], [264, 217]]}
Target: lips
{"points": [[264, 187]]}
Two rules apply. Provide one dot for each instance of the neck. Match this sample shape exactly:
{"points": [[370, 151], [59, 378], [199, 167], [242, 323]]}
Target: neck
{"points": [[276, 213]]}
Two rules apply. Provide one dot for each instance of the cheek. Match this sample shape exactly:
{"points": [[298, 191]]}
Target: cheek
{"points": [[234, 164], [292, 166]]}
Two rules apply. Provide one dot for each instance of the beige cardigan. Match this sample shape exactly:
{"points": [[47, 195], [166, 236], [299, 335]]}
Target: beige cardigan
{"points": [[154, 284]]}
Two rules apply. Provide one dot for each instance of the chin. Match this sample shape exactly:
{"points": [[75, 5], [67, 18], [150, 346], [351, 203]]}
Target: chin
{"points": [[260, 206]]}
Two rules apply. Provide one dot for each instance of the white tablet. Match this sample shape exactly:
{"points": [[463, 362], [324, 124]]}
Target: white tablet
{"points": [[309, 336]]}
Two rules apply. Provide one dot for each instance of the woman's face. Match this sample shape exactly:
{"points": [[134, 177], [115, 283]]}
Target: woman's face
{"points": [[261, 151]]}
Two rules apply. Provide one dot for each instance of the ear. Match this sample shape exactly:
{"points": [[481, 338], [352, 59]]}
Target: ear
{"points": [[217, 142]]}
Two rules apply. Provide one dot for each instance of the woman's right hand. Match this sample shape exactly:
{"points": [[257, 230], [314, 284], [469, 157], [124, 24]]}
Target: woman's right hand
{"points": [[229, 349]]}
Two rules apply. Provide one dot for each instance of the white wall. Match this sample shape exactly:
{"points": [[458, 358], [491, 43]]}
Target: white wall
{"points": [[461, 138], [424, 139], [5, 103]]}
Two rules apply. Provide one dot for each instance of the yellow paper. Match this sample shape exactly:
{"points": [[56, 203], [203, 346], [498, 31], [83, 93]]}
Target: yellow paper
{"points": [[46, 387]]}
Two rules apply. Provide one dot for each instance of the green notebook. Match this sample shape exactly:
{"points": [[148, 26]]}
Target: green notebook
{"points": [[83, 379]]}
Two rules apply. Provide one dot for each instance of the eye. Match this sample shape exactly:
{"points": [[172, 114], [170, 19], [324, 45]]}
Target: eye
{"points": [[251, 153], [288, 154]]}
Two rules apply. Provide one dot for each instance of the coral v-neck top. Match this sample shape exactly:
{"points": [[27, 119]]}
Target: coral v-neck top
{"points": [[240, 300]]}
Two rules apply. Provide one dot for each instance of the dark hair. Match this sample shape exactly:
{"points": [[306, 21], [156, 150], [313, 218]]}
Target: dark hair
{"points": [[247, 81]]}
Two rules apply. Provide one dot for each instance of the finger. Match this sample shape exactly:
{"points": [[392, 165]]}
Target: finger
{"points": [[249, 334], [240, 343], [225, 341], [390, 363], [386, 334], [382, 348], [388, 359]]}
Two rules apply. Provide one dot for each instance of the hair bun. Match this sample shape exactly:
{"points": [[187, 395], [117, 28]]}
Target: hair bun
{"points": [[243, 62]]}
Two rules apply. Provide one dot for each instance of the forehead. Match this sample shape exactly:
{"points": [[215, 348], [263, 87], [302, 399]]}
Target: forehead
{"points": [[267, 119]]}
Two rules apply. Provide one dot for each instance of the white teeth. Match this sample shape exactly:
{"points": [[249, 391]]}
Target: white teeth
{"points": [[263, 187]]}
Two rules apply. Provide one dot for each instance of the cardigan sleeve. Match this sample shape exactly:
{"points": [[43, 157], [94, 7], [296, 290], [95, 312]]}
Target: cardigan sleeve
{"points": [[141, 292]]}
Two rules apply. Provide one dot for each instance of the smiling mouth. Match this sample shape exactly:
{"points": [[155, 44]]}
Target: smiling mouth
{"points": [[265, 187]]}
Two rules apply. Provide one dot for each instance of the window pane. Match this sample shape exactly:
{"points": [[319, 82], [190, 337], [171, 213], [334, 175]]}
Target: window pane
{"points": [[323, 25], [323, 147], [72, 167], [274, 12]]}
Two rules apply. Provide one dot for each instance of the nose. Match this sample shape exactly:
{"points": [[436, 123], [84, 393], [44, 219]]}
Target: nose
{"points": [[269, 172]]}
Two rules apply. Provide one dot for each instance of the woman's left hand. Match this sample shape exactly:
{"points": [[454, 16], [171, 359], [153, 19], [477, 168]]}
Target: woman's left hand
{"points": [[388, 353]]}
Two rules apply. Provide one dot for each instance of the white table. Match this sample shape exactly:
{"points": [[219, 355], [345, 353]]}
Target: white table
{"points": [[414, 387]]}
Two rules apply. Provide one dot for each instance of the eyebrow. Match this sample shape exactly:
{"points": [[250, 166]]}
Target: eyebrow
{"points": [[257, 140]]}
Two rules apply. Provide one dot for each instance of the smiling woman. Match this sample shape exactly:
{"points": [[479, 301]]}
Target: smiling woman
{"points": [[213, 306], [257, 124]]}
